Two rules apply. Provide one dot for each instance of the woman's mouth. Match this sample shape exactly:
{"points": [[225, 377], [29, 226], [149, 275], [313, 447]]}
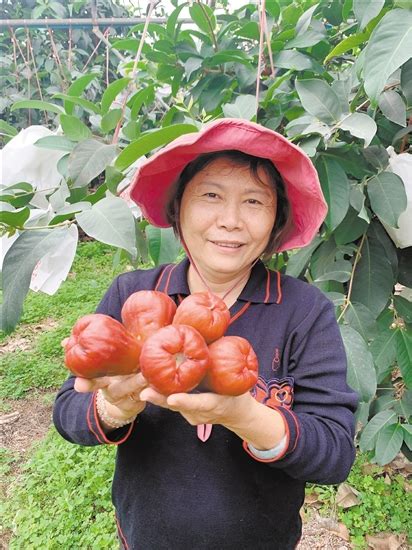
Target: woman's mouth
{"points": [[227, 244]]}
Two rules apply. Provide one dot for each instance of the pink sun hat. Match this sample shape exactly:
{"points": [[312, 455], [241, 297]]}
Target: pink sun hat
{"points": [[152, 182]]}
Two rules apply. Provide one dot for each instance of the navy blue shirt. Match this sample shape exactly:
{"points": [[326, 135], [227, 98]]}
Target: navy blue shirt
{"points": [[171, 490]]}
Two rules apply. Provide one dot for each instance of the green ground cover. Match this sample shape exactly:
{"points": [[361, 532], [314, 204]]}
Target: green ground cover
{"points": [[60, 496]]}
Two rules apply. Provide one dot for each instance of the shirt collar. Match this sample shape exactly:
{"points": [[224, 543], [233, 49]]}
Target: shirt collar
{"points": [[263, 285]]}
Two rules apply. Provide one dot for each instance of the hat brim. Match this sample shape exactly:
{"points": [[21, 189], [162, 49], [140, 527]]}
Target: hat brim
{"points": [[152, 182]]}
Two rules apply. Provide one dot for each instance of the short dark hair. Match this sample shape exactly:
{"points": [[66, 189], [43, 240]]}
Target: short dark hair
{"points": [[283, 219]]}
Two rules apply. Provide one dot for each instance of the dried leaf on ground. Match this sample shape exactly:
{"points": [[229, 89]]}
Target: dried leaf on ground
{"points": [[385, 541], [347, 496]]}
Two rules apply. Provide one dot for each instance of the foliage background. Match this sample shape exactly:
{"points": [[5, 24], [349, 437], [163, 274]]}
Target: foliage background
{"points": [[340, 87]]}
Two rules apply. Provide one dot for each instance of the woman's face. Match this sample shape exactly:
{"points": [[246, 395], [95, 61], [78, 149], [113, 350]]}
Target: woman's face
{"points": [[226, 218]]}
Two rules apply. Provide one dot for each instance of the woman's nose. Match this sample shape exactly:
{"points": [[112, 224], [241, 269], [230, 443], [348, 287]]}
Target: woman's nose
{"points": [[230, 216]]}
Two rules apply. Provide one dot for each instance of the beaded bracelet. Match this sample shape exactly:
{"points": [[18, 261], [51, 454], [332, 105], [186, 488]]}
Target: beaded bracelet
{"points": [[109, 420]]}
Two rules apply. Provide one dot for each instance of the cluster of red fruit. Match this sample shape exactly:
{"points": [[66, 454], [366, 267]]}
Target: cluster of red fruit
{"points": [[176, 349]]}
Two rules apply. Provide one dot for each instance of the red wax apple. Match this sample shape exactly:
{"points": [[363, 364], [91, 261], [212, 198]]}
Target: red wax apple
{"points": [[233, 367], [101, 346], [206, 312], [174, 359], [145, 311]]}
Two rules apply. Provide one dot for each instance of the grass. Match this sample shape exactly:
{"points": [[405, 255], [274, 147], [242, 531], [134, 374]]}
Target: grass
{"points": [[61, 496]]}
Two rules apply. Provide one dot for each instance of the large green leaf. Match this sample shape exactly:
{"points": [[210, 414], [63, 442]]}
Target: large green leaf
{"points": [[404, 356], [361, 372], [374, 426], [359, 125], [335, 187], [7, 129], [77, 87], [337, 271], [150, 141], [58, 143], [18, 266], [389, 47], [74, 128], [243, 107], [319, 99], [403, 308], [361, 319], [111, 92], [110, 221], [393, 107], [366, 10], [351, 228], [383, 349], [298, 261], [12, 216], [348, 43], [388, 443], [291, 59], [163, 245], [387, 194], [84, 103], [373, 279], [36, 104], [406, 81], [203, 16], [88, 159]]}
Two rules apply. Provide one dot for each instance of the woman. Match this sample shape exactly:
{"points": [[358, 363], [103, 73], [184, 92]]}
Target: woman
{"points": [[234, 192]]}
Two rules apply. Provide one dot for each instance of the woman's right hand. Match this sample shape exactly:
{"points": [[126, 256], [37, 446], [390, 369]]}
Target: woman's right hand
{"points": [[121, 393]]}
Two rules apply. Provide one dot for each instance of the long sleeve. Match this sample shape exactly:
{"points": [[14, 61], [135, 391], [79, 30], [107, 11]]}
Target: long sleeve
{"points": [[320, 426]]}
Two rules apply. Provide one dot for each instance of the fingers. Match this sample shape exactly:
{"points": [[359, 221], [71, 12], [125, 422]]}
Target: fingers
{"points": [[84, 385], [202, 402], [151, 395]]}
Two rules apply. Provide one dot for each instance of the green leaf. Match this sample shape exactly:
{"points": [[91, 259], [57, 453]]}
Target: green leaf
{"points": [[348, 43], [243, 107], [172, 24], [359, 125], [377, 156], [110, 221], [77, 87], [403, 308], [226, 56], [361, 319], [88, 159], [406, 82], [361, 372], [404, 356], [143, 96], [366, 10], [299, 260], [338, 271], [393, 107], [307, 39], [149, 141], [291, 59], [58, 143], [351, 228], [113, 178], [387, 194], [109, 120], [111, 92], [389, 47], [383, 349], [407, 435], [388, 443], [373, 427], [319, 99], [18, 266], [36, 104], [203, 16], [74, 128], [373, 279], [14, 217], [335, 186], [304, 20], [163, 245], [84, 103], [7, 129]]}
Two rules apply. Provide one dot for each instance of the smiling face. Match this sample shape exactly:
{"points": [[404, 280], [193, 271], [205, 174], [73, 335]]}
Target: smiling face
{"points": [[226, 218]]}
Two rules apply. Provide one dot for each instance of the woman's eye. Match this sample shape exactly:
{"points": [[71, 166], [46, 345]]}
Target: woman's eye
{"points": [[253, 201], [211, 195]]}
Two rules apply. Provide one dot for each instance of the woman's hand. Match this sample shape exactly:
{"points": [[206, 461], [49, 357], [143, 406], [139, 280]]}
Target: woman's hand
{"points": [[257, 424], [120, 392]]}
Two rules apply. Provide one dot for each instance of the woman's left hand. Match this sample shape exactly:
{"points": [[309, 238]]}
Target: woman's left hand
{"points": [[204, 408]]}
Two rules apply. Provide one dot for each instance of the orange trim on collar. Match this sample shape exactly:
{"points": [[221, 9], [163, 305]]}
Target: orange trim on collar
{"points": [[166, 290], [279, 299], [239, 313], [159, 280]]}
